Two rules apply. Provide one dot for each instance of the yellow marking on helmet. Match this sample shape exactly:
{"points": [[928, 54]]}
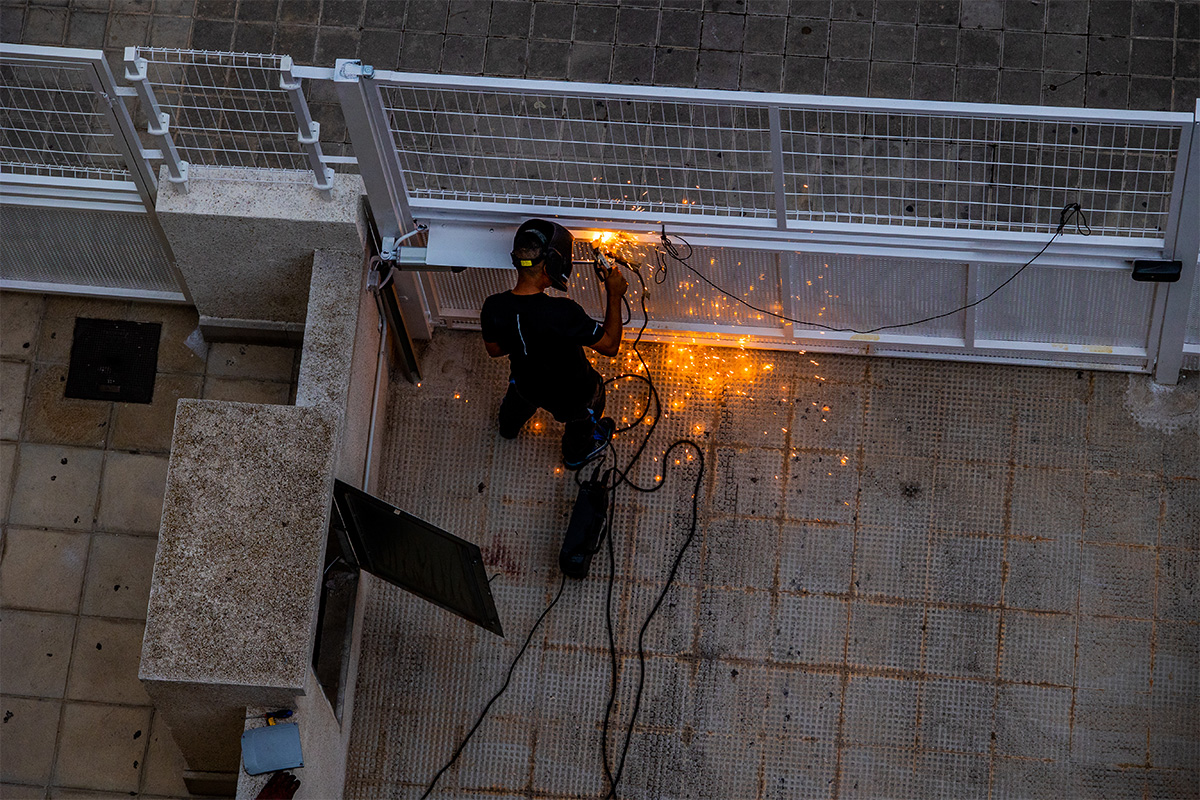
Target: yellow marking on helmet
{"points": [[525, 263]]}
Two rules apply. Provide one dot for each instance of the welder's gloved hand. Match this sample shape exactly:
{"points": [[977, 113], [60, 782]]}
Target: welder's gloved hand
{"points": [[282, 786], [615, 283]]}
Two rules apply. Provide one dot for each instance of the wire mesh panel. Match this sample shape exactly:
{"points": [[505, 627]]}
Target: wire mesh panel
{"points": [[578, 151], [1192, 335], [729, 156], [977, 172], [1069, 306], [77, 248], [52, 123], [228, 110]]}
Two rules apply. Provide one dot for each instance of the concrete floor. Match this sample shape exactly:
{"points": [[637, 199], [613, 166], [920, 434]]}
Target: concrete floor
{"points": [[81, 486], [911, 579]]}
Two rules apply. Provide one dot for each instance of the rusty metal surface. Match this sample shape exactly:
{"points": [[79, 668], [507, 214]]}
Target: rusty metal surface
{"points": [[911, 579]]}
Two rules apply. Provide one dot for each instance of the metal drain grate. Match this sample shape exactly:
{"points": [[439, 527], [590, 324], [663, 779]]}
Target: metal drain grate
{"points": [[113, 360]]}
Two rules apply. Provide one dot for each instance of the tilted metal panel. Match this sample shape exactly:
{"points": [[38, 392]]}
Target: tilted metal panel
{"points": [[864, 293], [1192, 336], [1070, 306], [75, 247]]}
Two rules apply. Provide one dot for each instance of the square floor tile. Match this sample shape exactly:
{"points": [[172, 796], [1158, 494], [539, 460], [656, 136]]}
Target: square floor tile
{"points": [[1047, 503], [892, 562], [1038, 648], [1117, 581], [148, 427], [1113, 654], [966, 569], [1033, 721], [758, 420], [36, 652], [956, 715], [102, 747], [809, 629], [885, 636], [896, 492], [827, 416], [970, 498], [131, 496], [1181, 520], [42, 570], [58, 324], [56, 487], [12, 398], [118, 576], [804, 704], [748, 482], [104, 667], [822, 487], [1110, 727], [815, 558], [27, 739], [1042, 575], [20, 315], [740, 553], [56, 419], [1122, 509], [1178, 579], [961, 642], [880, 711], [735, 624]]}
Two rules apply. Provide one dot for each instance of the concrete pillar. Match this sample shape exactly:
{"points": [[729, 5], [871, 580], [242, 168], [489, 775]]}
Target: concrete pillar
{"points": [[244, 247]]}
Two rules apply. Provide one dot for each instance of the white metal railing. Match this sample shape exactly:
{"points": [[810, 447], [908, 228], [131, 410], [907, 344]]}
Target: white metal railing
{"points": [[636, 153], [850, 212], [239, 110], [77, 190]]}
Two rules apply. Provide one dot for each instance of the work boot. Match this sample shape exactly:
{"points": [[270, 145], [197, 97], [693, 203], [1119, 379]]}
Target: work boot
{"points": [[602, 433]]}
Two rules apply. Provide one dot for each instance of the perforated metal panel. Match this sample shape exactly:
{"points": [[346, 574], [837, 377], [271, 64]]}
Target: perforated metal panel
{"points": [[114, 250], [1096, 308], [865, 293]]}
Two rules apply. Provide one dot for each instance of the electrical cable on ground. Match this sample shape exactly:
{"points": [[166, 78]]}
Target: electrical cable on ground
{"points": [[1068, 212], [507, 678]]}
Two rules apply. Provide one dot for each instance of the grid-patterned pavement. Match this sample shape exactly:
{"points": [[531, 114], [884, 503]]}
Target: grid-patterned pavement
{"points": [[910, 579]]}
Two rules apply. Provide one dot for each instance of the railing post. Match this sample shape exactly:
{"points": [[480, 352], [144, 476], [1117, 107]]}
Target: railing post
{"points": [[379, 165], [125, 136], [309, 131], [777, 166], [158, 122], [1183, 246]]}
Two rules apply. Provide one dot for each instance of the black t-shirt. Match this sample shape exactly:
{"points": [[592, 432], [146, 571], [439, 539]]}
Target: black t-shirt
{"points": [[544, 338]]}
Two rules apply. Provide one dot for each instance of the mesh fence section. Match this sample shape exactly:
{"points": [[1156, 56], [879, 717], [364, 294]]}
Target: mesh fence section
{"points": [[228, 110], [977, 172], [715, 158], [579, 151], [52, 123]]}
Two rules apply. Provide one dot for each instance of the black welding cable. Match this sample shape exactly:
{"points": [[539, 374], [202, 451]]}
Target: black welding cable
{"points": [[614, 779], [1068, 212], [507, 678]]}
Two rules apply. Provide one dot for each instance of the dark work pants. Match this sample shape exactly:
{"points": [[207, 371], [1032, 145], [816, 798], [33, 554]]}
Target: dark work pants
{"points": [[580, 421]]}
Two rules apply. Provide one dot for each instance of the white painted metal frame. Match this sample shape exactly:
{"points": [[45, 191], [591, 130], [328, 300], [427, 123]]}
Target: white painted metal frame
{"points": [[73, 146], [1136, 198], [238, 110]]}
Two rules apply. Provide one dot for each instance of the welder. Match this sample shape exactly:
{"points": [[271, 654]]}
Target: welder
{"points": [[544, 336]]}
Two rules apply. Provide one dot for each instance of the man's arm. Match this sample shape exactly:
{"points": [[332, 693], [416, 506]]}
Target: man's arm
{"points": [[494, 349], [614, 285]]}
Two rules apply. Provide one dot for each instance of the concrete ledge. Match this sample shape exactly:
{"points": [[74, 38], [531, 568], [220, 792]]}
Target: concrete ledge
{"points": [[239, 557], [243, 239], [251, 331]]}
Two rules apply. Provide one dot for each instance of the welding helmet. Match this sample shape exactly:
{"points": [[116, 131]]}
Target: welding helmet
{"points": [[554, 245]]}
